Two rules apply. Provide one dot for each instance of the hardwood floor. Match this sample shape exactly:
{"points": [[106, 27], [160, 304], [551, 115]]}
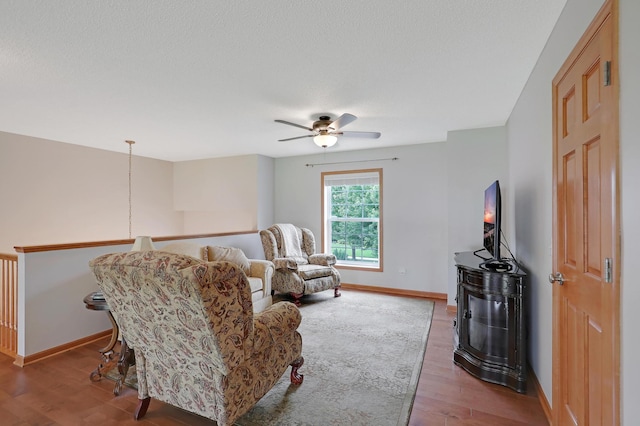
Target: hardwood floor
{"points": [[448, 395], [57, 391]]}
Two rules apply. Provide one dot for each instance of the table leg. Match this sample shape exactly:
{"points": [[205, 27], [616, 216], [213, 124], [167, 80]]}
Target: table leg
{"points": [[108, 356], [126, 359]]}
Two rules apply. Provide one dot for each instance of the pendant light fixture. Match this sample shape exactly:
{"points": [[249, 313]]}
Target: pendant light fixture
{"points": [[142, 243], [130, 163]]}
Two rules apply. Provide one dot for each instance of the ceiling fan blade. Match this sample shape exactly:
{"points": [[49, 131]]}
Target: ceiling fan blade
{"points": [[294, 124], [342, 121], [297, 137], [369, 135]]}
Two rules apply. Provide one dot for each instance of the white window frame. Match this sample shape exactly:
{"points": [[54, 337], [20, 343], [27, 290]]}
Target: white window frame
{"points": [[351, 177]]}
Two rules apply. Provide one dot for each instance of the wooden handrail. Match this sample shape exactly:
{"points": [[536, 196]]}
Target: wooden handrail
{"points": [[8, 304], [68, 246]]}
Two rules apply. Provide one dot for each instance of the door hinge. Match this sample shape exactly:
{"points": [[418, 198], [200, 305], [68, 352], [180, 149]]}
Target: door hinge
{"points": [[607, 73], [608, 274]]}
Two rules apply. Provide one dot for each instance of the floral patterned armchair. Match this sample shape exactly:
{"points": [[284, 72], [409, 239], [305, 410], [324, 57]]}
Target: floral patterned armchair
{"points": [[198, 344], [299, 269]]}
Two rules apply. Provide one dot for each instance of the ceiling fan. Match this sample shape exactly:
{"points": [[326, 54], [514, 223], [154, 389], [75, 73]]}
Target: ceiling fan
{"points": [[325, 131]]}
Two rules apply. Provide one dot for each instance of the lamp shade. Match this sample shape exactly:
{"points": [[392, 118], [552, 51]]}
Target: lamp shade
{"points": [[325, 141], [143, 243]]}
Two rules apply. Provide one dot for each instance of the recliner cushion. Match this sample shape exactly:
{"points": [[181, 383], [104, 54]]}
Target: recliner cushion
{"points": [[309, 272], [255, 284]]}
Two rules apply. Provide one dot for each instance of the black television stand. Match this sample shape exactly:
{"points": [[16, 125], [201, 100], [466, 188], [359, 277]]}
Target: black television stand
{"points": [[490, 330], [481, 257]]}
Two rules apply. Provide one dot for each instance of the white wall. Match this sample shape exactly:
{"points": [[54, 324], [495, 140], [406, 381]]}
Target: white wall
{"points": [[530, 140], [414, 210], [630, 177], [54, 192], [224, 194], [475, 159], [51, 287], [217, 194], [266, 191]]}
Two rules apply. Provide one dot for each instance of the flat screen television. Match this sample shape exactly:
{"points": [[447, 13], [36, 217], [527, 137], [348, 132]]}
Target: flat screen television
{"points": [[492, 214]]}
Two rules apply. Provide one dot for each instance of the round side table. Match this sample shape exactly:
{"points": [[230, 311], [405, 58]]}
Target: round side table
{"points": [[109, 357]]}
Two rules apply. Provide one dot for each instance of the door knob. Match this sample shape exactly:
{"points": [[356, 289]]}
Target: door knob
{"points": [[556, 278]]}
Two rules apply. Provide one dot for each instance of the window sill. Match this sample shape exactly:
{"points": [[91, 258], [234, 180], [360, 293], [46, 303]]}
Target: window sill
{"points": [[358, 267]]}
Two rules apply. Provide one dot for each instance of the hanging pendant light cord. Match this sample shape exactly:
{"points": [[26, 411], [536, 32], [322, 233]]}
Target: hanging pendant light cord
{"points": [[130, 155]]}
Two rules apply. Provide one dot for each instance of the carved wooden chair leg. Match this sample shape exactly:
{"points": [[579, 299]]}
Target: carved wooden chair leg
{"points": [[297, 378], [141, 410], [296, 298], [336, 292]]}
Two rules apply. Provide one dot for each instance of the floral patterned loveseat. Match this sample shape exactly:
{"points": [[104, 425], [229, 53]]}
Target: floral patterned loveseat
{"points": [[198, 344], [259, 272]]}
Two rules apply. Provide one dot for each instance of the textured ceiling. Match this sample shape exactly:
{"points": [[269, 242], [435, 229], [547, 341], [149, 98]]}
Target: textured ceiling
{"points": [[200, 79]]}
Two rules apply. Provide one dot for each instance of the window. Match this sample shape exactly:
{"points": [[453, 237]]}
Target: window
{"points": [[352, 217]]}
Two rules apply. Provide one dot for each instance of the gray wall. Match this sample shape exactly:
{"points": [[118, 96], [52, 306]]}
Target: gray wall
{"points": [[530, 139], [414, 210], [432, 203], [475, 159], [630, 176]]}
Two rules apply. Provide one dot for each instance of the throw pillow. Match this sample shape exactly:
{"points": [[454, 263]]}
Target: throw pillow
{"points": [[189, 249], [230, 254]]}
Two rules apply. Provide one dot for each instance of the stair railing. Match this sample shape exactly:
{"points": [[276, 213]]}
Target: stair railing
{"points": [[8, 304]]}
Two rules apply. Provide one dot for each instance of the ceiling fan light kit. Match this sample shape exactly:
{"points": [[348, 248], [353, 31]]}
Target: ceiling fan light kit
{"points": [[325, 132], [325, 141]]}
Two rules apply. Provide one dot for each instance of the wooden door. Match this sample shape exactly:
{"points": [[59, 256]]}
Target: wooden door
{"points": [[586, 305]]}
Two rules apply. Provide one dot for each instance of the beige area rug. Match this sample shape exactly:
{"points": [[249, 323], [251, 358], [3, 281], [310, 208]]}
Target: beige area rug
{"points": [[363, 355]]}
